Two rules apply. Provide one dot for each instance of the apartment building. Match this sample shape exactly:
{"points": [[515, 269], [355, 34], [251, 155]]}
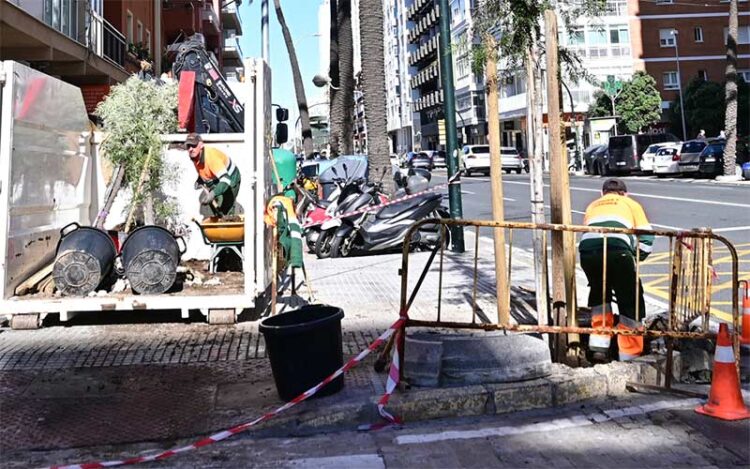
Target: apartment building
{"points": [[231, 25], [608, 46], [398, 91], [424, 70], [470, 98], [685, 40]]}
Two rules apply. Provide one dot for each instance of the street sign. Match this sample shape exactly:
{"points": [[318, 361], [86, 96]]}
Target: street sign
{"points": [[612, 86]]}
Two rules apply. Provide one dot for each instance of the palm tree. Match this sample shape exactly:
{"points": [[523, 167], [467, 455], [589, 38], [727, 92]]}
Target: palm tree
{"points": [[730, 94], [299, 88], [342, 77], [373, 86]]}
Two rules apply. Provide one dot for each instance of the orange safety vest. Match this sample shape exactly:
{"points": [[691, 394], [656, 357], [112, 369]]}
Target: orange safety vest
{"points": [[214, 166]]}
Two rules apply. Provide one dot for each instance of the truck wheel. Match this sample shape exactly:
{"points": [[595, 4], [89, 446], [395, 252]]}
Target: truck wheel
{"points": [[222, 316], [21, 322]]}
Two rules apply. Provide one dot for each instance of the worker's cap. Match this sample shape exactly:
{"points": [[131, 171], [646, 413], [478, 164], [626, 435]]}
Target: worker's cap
{"points": [[192, 140]]}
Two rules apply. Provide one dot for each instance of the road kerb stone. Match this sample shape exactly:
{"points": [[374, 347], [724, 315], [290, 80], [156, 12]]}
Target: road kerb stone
{"points": [[526, 395]]}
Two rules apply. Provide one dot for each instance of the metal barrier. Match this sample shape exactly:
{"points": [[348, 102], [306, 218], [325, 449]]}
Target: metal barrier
{"points": [[690, 254]]}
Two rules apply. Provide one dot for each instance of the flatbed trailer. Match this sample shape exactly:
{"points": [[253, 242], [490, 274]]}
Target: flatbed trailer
{"points": [[52, 174]]}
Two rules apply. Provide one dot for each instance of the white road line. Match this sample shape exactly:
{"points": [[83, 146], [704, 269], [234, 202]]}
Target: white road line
{"points": [[368, 461], [649, 196], [554, 425], [734, 228], [469, 192]]}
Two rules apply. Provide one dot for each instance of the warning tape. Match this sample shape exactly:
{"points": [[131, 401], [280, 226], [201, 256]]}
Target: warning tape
{"points": [[391, 384], [372, 208]]}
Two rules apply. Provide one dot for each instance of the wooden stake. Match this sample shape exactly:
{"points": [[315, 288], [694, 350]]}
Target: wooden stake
{"points": [[496, 180], [563, 244], [139, 187]]}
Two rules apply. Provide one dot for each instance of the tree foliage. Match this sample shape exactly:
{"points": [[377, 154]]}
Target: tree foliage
{"points": [[639, 103], [135, 115]]}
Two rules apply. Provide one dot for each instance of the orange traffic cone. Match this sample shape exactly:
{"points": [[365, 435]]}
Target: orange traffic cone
{"points": [[745, 339], [725, 399]]}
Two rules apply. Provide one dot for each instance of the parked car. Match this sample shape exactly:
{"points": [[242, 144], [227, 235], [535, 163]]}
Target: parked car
{"points": [[421, 160], [690, 156], [511, 160], [625, 150], [394, 160], [588, 157], [667, 160], [476, 158], [599, 161], [438, 159], [647, 157], [711, 159]]}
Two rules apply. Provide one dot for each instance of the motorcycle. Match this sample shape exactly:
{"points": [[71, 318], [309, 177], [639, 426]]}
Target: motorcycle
{"points": [[386, 228]]}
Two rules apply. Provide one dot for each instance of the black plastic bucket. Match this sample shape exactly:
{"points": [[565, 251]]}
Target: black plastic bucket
{"points": [[83, 260], [150, 256], [304, 347]]}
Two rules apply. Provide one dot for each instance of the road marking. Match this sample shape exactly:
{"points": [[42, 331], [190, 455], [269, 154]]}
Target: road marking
{"points": [[650, 196], [735, 228], [468, 192], [370, 461], [555, 425]]}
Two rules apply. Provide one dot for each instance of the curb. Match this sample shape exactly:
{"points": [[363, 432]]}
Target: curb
{"points": [[563, 387]]}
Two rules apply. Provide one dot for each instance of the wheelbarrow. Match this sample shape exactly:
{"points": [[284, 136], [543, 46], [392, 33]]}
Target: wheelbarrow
{"points": [[222, 235]]}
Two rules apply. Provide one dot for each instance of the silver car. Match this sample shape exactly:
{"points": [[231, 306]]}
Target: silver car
{"points": [[648, 156], [690, 156]]}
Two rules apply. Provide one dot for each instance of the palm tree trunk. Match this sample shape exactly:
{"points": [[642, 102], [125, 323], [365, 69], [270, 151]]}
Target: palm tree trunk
{"points": [[342, 101], [730, 93], [299, 88], [373, 87], [496, 179], [334, 97]]}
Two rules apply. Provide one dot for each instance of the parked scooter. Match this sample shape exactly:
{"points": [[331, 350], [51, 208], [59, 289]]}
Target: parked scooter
{"points": [[372, 194], [386, 228]]}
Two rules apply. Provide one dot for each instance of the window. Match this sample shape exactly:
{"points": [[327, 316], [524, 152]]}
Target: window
{"points": [[698, 34], [140, 32], [148, 41], [575, 37], [129, 28], [743, 35], [596, 36], [744, 74], [703, 75], [666, 37], [670, 81], [664, 2], [618, 34]]}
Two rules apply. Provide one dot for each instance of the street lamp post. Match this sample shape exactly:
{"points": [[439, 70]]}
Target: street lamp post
{"points": [[675, 33], [449, 103]]}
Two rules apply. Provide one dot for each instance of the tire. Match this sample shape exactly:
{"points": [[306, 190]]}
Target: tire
{"points": [[341, 246], [507, 171], [605, 170], [518, 171], [323, 244], [468, 171]]}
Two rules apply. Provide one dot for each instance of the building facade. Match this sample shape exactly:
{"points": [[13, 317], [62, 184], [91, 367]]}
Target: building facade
{"points": [[398, 92], [686, 40]]}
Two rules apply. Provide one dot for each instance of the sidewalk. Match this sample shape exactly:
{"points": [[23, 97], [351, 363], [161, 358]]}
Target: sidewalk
{"points": [[86, 386]]}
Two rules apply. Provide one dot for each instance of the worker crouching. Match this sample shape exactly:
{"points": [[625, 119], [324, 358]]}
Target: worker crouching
{"points": [[614, 209], [217, 176]]}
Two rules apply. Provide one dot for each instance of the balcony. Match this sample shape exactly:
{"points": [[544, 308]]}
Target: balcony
{"points": [[232, 52], [211, 21], [90, 51], [230, 17]]}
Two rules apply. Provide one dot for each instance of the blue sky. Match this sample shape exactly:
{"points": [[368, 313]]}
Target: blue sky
{"points": [[302, 18]]}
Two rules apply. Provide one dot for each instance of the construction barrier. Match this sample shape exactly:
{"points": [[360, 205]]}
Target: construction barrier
{"points": [[691, 277]]}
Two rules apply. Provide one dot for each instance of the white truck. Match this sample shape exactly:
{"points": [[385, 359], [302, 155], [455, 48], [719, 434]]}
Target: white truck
{"points": [[51, 175]]}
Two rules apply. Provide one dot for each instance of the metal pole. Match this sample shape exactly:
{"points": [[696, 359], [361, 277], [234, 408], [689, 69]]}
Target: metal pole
{"points": [[264, 40], [449, 103], [679, 84]]}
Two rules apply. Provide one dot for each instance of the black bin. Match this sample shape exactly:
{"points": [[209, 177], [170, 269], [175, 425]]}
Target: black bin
{"points": [[84, 259], [150, 256], [304, 347]]}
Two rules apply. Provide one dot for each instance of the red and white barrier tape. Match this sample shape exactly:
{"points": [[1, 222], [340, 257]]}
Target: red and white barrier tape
{"points": [[223, 435], [372, 208]]}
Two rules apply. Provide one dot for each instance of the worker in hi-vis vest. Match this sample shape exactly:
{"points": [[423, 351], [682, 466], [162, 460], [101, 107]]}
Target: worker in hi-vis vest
{"points": [[217, 176], [614, 209]]}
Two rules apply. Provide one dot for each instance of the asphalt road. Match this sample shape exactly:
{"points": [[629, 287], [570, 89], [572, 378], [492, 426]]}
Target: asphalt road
{"points": [[669, 204]]}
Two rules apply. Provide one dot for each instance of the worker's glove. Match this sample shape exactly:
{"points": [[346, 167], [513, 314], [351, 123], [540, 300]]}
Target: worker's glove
{"points": [[198, 184], [206, 197]]}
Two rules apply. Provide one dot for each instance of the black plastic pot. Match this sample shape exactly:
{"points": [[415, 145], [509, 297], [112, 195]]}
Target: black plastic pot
{"points": [[150, 256], [84, 259], [305, 347]]}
